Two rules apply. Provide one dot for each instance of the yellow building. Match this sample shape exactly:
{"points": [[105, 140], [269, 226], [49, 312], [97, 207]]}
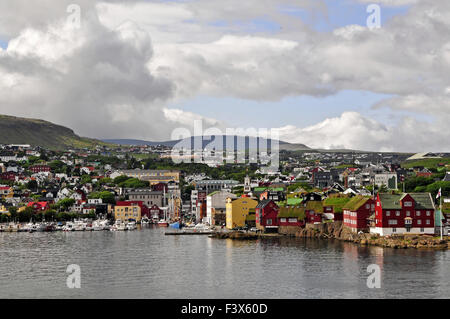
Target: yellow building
{"points": [[237, 211], [126, 212]]}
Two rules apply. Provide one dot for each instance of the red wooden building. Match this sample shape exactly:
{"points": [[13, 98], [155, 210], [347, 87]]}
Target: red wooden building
{"points": [[39, 168], [292, 216], [404, 213], [314, 211], [357, 213], [266, 215], [39, 206]]}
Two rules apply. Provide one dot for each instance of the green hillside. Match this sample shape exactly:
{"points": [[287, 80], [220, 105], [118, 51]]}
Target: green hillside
{"points": [[17, 130]]}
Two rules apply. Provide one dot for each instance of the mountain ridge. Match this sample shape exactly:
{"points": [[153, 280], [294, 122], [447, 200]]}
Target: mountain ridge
{"points": [[38, 132]]}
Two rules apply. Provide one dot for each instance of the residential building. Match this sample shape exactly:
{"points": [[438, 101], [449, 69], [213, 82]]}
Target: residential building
{"points": [[357, 212], [291, 218], [39, 168], [404, 213], [386, 179], [266, 213]]}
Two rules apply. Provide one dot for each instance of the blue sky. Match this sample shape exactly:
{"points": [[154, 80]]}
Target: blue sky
{"points": [[341, 13], [3, 44]]}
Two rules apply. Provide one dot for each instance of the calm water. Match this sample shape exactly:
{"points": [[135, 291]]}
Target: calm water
{"points": [[147, 264]]}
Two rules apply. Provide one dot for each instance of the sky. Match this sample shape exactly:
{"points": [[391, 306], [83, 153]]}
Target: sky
{"points": [[312, 69]]}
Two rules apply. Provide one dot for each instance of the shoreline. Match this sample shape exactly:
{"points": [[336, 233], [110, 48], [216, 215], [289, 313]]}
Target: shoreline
{"points": [[336, 231]]}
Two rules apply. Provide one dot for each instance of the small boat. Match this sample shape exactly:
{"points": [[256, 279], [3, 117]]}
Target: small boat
{"points": [[79, 225], [39, 227], [28, 227], [97, 225], [145, 220], [131, 226], [69, 226], [119, 226], [176, 225], [163, 223]]}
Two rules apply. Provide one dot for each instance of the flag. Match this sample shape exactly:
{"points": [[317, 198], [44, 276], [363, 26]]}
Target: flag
{"points": [[439, 193]]}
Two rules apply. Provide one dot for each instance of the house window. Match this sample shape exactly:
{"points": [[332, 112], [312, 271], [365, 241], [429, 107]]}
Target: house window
{"points": [[269, 222], [428, 222], [392, 222], [428, 213], [419, 222], [283, 220], [394, 230], [418, 213], [422, 230], [292, 220], [408, 204], [367, 206], [397, 213], [408, 213], [388, 213]]}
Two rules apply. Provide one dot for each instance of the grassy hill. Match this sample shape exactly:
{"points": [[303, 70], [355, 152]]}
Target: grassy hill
{"points": [[17, 130]]}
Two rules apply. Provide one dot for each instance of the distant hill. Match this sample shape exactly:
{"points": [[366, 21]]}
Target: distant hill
{"points": [[242, 143], [18, 130]]}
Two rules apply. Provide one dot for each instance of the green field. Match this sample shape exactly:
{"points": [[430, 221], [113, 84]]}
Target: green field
{"points": [[428, 163]]}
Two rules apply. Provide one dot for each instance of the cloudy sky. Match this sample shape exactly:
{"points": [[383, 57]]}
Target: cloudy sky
{"points": [[311, 68]]}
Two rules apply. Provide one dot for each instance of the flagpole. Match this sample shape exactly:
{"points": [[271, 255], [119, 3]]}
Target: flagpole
{"points": [[441, 214]]}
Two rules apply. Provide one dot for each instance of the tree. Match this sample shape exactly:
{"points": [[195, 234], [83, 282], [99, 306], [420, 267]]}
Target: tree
{"points": [[65, 203], [105, 196]]}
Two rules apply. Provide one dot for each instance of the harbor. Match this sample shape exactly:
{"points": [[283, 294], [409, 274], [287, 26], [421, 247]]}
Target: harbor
{"points": [[142, 263]]}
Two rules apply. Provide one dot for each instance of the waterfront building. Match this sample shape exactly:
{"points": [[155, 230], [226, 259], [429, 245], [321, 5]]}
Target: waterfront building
{"points": [[357, 212], [128, 210], [266, 215], [216, 207], [404, 213], [237, 211], [314, 211], [147, 196], [333, 207], [291, 219]]}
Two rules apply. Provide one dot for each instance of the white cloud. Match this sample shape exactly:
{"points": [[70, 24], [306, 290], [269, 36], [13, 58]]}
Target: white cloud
{"points": [[353, 131], [130, 59]]}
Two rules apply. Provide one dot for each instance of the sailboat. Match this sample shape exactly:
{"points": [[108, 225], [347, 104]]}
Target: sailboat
{"points": [[164, 222]]}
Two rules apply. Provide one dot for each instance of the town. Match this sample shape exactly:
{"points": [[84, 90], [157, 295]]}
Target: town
{"points": [[120, 187]]}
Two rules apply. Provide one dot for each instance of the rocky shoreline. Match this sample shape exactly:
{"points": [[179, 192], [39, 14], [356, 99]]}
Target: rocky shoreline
{"points": [[337, 231]]}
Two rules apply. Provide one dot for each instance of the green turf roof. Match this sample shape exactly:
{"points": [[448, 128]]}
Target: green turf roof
{"points": [[294, 201], [315, 205], [355, 203], [337, 202], [292, 212]]}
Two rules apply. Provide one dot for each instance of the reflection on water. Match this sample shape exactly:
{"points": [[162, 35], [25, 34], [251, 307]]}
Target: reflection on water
{"points": [[147, 264]]}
